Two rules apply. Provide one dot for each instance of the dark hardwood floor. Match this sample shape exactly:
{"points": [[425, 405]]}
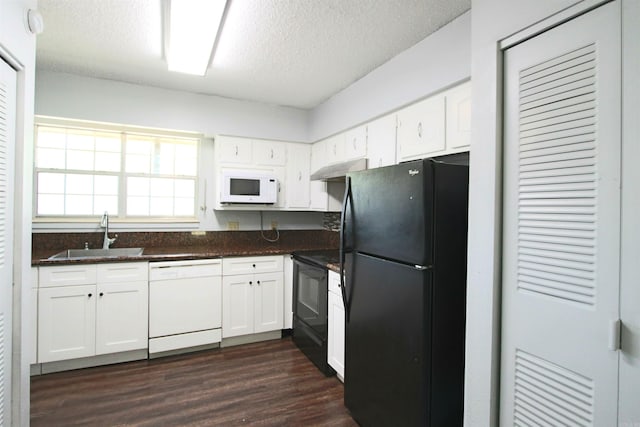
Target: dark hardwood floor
{"points": [[263, 384]]}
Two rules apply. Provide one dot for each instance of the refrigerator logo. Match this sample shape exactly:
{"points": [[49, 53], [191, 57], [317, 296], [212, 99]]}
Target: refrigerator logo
{"points": [[413, 172]]}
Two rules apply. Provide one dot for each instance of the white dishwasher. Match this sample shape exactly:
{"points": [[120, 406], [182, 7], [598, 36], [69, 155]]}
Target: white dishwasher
{"points": [[185, 304]]}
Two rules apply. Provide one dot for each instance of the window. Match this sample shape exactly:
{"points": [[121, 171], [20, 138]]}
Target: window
{"points": [[86, 170]]}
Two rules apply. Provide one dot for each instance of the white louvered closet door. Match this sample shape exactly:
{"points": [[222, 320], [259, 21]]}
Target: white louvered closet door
{"points": [[7, 146], [561, 225]]}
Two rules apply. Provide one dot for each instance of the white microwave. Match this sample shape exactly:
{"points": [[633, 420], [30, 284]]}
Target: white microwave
{"points": [[243, 186]]}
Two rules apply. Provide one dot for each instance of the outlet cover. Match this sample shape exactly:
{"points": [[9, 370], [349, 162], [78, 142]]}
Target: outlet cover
{"points": [[274, 225], [233, 225]]}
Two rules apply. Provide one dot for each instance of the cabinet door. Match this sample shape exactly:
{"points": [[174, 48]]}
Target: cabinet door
{"points": [[421, 129], [233, 150], [281, 175], [458, 119], [335, 341], [318, 155], [336, 148], [237, 305], [318, 196], [298, 171], [355, 145], [271, 153], [122, 317], [268, 302], [381, 142], [66, 322]]}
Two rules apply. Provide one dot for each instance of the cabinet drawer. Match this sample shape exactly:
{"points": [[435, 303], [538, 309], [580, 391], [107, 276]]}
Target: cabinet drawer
{"points": [[122, 272], [66, 275], [257, 264]]}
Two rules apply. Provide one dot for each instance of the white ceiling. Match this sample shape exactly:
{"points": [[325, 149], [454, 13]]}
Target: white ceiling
{"points": [[286, 52]]}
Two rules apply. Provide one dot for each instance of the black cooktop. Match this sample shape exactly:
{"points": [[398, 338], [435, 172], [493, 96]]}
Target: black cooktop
{"points": [[319, 257]]}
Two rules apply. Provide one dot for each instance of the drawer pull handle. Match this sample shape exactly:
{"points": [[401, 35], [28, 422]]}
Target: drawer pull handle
{"points": [[258, 282], [90, 295], [251, 283], [254, 266], [101, 294]]}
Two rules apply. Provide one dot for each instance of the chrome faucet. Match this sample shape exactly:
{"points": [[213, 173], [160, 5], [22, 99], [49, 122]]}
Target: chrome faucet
{"points": [[104, 222]]}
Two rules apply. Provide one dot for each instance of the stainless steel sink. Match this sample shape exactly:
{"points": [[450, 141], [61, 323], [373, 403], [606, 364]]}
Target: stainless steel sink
{"points": [[98, 253]]}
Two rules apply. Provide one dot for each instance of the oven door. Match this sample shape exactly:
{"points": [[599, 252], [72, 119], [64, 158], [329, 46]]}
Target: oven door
{"points": [[310, 296]]}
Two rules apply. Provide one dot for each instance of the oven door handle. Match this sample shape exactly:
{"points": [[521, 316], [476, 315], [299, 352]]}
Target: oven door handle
{"points": [[343, 220]]}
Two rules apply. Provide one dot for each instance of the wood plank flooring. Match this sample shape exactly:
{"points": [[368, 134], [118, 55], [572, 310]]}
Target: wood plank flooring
{"points": [[263, 384]]}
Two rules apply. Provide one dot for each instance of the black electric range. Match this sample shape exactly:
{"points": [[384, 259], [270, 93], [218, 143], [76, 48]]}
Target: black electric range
{"points": [[310, 304]]}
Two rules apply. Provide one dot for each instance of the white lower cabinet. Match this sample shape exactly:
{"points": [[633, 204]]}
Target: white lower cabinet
{"points": [[336, 332], [121, 317], [89, 319], [66, 322], [254, 302]]}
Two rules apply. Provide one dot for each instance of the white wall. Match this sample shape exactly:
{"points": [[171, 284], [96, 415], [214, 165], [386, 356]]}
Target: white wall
{"points": [[18, 43], [76, 97], [492, 21], [437, 62]]}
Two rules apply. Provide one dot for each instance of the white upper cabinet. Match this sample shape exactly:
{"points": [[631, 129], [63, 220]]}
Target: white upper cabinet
{"points": [[248, 152], [435, 126], [272, 153], [230, 149], [421, 129], [458, 118], [319, 156], [298, 172], [381, 142], [335, 148], [355, 144]]}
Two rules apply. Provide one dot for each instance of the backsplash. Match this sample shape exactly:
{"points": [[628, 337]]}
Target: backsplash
{"points": [[225, 241], [331, 221]]}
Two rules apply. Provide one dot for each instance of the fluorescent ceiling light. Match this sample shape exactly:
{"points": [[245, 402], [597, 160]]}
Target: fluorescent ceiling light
{"points": [[192, 30]]}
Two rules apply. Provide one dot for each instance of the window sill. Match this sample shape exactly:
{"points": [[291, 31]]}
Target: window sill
{"points": [[115, 225]]}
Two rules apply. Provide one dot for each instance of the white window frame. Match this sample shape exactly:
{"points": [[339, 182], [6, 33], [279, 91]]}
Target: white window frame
{"points": [[122, 221]]}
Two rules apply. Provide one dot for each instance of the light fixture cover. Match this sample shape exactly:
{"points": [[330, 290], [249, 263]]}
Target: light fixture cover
{"points": [[192, 32]]}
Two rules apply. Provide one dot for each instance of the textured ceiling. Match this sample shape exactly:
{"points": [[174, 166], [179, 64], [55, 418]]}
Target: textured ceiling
{"points": [[285, 52]]}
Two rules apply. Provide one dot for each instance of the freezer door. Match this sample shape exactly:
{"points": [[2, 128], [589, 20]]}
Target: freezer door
{"points": [[389, 213], [387, 365]]}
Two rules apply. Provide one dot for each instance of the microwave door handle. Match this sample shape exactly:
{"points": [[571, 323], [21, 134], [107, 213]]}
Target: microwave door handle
{"points": [[345, 205]]}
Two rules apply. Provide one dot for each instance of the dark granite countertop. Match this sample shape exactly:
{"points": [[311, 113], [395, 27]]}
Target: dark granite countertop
{"points": [[334, 267]]}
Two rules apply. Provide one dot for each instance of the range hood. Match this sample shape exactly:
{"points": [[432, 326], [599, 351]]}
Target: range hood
{"points": [[337, 171]]}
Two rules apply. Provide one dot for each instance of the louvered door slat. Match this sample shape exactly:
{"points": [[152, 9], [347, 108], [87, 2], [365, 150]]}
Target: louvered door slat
{"points": [[566, 91], [569, 102], [551, 83], [526, 75]]}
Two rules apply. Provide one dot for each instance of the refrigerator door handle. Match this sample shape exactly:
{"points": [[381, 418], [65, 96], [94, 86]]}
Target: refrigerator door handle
{"points": [[345, 204]]}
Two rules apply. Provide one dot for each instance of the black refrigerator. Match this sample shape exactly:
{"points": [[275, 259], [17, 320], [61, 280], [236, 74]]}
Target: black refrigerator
{"points": [[403, 253]]}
